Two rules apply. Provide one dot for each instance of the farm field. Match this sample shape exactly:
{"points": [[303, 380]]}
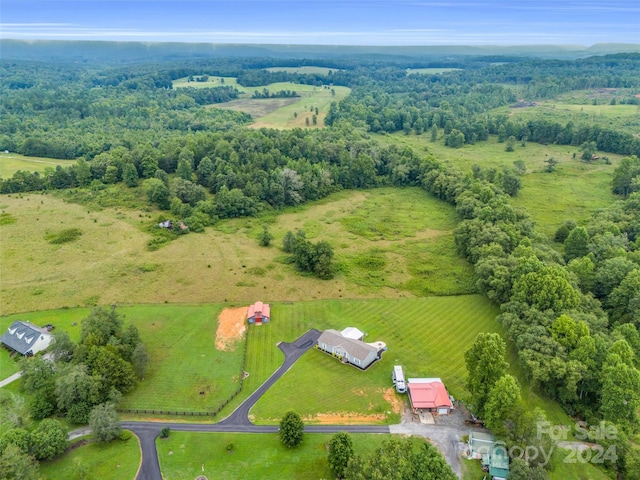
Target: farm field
{"points": [[183, 455], [276, 112], [573, 191], [115, 460], [407, 249], [10, 163], [288, 112]]}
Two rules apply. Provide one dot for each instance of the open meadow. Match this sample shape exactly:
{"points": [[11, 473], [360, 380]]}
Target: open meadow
{"points": [[10, 163], [406, 249], [573, 190]]}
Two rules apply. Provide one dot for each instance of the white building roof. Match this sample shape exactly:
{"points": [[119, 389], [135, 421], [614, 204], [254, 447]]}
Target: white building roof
{"points": [[352, 332]]}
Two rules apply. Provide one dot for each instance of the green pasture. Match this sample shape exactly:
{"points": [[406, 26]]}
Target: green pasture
{"points": [[115, 460], [185, 455], [573, 191], [307, 69], [388, 243], [10, 163], [429, 71]]}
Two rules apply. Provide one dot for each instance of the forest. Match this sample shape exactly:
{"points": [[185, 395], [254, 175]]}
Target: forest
{"points": [[571, 306]]}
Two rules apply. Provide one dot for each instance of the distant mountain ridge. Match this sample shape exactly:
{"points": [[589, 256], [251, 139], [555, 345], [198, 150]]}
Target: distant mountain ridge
{"points": [[136, 52]]}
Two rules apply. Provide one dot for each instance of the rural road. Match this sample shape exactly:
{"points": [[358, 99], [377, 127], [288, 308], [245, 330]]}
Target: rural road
{"points": [[445, 436]]}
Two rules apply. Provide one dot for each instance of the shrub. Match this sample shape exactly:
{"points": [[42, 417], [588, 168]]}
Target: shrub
{"points": [[164, 433], [64, 236]]}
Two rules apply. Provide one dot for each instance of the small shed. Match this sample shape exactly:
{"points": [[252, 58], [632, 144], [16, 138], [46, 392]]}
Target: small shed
{"points": [[259, 313], [26, 338], [429, 394]]}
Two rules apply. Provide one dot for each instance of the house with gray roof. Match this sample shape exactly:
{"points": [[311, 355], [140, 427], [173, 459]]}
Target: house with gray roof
{"points": [[349, 350], [26, 338]]}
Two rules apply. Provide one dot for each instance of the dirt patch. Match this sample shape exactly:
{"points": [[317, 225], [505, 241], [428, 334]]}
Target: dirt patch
{"points": [[78, 444], [344, 418], [231, 327], [396, 403]]}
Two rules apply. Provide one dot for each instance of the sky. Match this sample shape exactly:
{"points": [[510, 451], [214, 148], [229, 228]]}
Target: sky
{"points": [[326, 22]]}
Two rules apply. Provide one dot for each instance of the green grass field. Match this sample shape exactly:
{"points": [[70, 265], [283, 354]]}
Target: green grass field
{"points": [[412, 248], [12, 162], [116, 460], [288, 112], [573, 191], [185, 455]]}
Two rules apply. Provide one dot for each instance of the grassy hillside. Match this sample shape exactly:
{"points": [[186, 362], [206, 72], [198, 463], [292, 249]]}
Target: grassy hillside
{"points": [[409, 242]]}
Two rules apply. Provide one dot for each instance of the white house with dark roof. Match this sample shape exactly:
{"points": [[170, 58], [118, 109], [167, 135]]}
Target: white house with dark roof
{"points": [[350, 350], [26, 338]]}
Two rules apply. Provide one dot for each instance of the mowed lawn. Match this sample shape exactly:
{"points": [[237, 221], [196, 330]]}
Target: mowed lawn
{"points": [[388, 243], [116, 460], [185, 455], [573, 191], [12, 162]]}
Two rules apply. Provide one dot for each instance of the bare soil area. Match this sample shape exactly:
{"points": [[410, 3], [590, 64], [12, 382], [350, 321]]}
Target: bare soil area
{"points": [[231, 327]]}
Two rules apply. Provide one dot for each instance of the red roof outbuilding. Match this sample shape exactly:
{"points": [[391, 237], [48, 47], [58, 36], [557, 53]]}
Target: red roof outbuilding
{"points": [[259, 312], [428, 393]]}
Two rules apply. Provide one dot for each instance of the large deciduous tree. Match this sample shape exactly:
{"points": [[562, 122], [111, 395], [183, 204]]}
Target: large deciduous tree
{"points": [[104, 422], [340, 452], [291, 430], [485, 365], [49, 439], [501, 404]]}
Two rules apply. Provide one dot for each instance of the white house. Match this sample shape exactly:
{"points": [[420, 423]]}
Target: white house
{"points": [[26, 338]]}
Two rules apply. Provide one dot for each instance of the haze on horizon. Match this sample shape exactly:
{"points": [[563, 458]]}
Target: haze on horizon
{"points": [[328, 22]]}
